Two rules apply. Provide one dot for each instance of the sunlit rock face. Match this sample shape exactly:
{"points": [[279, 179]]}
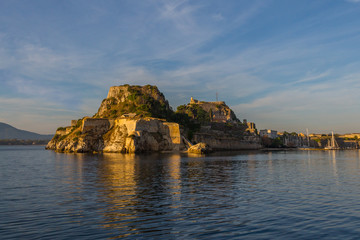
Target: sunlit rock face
{"points": [[200, 148], [121, 135], [130, 119]]}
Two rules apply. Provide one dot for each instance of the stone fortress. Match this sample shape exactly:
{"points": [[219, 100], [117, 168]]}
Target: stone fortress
{"points": [[121, 126], [224, 131], [219, 112]]}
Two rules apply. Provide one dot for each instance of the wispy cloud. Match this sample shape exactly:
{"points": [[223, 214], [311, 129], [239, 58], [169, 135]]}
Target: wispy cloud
{"points": [[309, 105], [180, 13], [35, 114], [312, 77], [218, 17], [268, 59]]}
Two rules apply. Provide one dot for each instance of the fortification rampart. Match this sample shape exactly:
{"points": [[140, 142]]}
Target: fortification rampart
{"points": [[95, 125], [224, 142], [168, 133]]}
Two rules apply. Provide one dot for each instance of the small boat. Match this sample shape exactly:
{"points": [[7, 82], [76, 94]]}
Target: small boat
{"points": [[332, 145]]}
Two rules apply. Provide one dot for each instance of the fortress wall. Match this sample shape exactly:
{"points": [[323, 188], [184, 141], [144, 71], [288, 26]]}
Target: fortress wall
{"points": [[143, 130], [152, 126], [129, 123], [132, 125], [174, 134], [227, 143], [149, 125], [98, 125]]}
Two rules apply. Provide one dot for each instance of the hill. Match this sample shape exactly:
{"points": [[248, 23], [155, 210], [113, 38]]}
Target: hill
{"points": [[144, 101], [9, 132], [206, 112], [130, 119]]}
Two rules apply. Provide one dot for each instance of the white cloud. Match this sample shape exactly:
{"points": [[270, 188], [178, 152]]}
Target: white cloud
{"points": [[38, 62]]}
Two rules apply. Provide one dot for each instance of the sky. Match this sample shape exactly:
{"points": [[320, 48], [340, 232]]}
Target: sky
{"points": [[283, 64]]}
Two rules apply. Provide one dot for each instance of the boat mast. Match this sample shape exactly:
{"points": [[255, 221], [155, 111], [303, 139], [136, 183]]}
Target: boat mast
{"points": [[332, 139], [307, 136]]}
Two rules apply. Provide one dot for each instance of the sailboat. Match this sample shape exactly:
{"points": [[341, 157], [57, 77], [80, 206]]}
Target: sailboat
{"points": [[332, 145]]}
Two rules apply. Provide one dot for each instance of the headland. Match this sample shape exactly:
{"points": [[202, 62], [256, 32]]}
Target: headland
{"points": [[139, 119]]}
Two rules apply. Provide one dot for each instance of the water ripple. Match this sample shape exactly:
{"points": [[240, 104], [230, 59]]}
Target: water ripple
{"points": [[251, 195]]}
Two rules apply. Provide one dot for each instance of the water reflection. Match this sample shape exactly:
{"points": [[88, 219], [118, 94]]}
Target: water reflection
{"points": [[68, 164], [136, 186], [270, 163], [174, 165], [309, 158], [147, 195], [118, 189], [144, 187], [277, 195], [332, 157], [71, 172]]}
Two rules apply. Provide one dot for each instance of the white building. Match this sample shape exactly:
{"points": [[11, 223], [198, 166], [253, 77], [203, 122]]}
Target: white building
{"points": [[269, 133]]}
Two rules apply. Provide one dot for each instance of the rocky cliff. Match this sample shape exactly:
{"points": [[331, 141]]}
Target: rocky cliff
{"points": [[121, 135], [130, 119]]}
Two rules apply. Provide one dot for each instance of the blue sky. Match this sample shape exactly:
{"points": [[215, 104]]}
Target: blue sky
{"points": [[284, 64]]}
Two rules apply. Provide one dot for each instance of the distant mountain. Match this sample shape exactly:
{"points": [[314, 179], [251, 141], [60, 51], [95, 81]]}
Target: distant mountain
{"points": [[9, 132]]}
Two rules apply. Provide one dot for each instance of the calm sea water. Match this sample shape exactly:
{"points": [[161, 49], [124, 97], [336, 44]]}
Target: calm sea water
{"points": [[248, 195]]}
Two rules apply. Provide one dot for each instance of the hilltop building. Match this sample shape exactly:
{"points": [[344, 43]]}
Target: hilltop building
{"points": [[219, 111]]}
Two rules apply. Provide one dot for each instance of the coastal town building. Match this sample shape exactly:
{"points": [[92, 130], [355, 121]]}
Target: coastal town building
{"points": [[314, 135], [269, 133], [301, 135], [351, 136]]}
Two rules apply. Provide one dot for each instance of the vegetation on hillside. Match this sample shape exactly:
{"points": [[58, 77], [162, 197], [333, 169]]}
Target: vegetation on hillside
{"points": [[195, 112], [148, 101], [193, 116], [145, 101], [272, 143]]}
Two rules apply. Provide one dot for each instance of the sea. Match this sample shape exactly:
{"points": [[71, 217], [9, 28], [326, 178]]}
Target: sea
{"points": [[224, 195]]}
